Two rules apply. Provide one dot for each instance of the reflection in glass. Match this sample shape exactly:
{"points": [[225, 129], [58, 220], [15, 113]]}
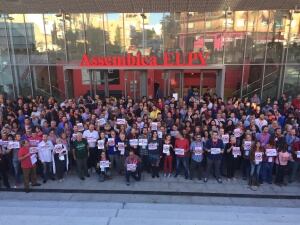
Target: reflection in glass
{"points": [[36, 38]]}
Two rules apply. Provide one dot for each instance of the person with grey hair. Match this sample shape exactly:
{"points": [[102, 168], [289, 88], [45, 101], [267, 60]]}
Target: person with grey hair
{"points": [[80, 154]]}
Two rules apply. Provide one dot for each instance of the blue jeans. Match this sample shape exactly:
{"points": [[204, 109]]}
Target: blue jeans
{"points": [[185, 164], [17, 171], [255, 169], [267, 172]]}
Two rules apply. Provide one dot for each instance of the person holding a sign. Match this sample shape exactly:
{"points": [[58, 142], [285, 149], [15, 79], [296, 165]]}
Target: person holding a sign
{"points": [[15, 159], [112, 150], [296, 161], [256, 158], [91, 135], [182, 148], [214, 148], [154, 153], [266, 172], [232, 156], [28, 165], [45, 148], [104, 166], [197, 150], [282, 163], [168, 152], [132, 167], [121, 145], [80, 154], [246, 148], [143, 151], [4, 165], [60, 156]]}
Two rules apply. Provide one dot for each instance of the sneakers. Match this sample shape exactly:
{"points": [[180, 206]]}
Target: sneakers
{"points": [[36, 185], [127, 183], [205, 180], [219, 180], [170, 175]]}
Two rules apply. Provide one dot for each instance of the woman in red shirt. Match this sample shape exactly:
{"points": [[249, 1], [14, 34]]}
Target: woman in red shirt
{"points": [[28, 164]]}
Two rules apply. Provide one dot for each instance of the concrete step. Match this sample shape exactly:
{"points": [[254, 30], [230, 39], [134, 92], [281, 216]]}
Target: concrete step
{"points": [[207, 215], [62, 204], [209, 208], [59, 211], [171, 221], [51, 220]]}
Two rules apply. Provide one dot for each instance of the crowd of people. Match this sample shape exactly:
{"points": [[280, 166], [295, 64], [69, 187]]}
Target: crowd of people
{"points": [[199, 137]]}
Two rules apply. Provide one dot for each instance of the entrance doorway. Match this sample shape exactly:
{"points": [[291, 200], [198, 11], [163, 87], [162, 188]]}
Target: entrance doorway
{"points": [[136, 83]]}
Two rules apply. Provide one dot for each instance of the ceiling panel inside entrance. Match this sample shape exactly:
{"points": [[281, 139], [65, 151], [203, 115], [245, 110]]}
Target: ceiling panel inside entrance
{"points": [[52, 6]]}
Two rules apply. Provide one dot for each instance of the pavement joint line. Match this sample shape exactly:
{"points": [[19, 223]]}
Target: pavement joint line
{"points": [[168, 193]]}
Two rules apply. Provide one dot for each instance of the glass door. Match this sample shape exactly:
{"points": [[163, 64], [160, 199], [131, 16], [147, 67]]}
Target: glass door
{"points": [[135, 84]]}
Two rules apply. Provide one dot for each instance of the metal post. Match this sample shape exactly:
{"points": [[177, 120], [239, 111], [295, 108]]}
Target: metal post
{"points": [[49, 75], [84, 33], [28, 55], [91, 82], [282, 78], [11, 57], [265, 59], [244, 57], [201, 83]]}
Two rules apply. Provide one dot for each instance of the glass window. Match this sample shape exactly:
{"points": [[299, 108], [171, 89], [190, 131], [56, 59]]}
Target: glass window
{"points": [[271, 81], [40, 80], [57, 82], [17, 38], [75, 36], [94, 33], [54, 30], [36, 41], [233, 81], [258, 24], [171, 31], [234, 38], [23, 80], [294, 46], [114, 33], [292, 80]]}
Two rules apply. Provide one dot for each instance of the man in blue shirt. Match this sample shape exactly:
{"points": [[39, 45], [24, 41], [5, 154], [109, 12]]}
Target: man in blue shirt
{"points": [[214, 148]]}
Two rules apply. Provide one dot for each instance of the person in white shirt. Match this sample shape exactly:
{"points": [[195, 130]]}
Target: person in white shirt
{"points": [[91, 135], [261, 122], [45, 148]]}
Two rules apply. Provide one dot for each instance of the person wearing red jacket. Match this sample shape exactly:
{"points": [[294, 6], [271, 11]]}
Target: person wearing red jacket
{"points": [[296, 160], [28, 164], [181, 149]]}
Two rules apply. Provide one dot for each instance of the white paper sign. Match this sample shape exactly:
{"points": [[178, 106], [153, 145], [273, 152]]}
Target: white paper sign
{"points": [[198, 150], [225, 138], [133, 142], [174, 133], [179, 151], [13, 145], [247, 145], [102, 121], [33, 159], [91, 140], [175, 96], [215, 151], [166, 149], [298, 154], [131, 167], [258, 157], [271, 152], [111, 141], [80, 126], [237, 132], [159, 134], [121, 147], [236, 151], [104, 164], [33, 150], [4, 143], [152, 146], [153, 126], [100, 144], [143, 142], [34, 143], [121, 121]]}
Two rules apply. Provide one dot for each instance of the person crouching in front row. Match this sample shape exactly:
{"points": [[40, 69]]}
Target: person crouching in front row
{"points": [[132, 167], [104, 167]]}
